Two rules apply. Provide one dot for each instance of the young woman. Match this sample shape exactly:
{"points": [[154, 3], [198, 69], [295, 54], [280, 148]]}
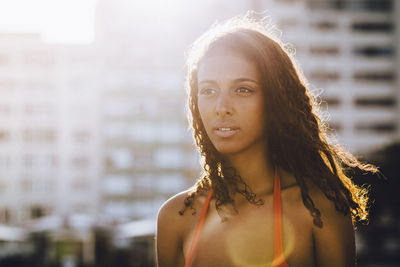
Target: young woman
{"points": [[273, 191]]}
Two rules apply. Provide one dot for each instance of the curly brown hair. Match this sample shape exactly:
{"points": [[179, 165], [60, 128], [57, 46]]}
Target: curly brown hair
{"points": [[297, 139]]}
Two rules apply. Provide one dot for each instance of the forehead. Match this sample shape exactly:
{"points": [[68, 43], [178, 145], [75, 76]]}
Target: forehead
{"points": [[226, 64]]}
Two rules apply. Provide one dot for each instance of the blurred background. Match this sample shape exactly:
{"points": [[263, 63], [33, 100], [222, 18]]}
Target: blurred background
{"points": [[93, 130]]}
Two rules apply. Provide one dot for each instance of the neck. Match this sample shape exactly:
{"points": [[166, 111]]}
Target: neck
{"points": [[256, 170]]}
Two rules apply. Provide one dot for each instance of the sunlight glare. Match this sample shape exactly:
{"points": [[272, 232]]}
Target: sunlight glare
{"points": [[58, 21]]}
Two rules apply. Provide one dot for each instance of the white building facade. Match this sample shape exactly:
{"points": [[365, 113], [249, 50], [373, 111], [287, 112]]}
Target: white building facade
{"points": [[48, 130], [101, 129]]}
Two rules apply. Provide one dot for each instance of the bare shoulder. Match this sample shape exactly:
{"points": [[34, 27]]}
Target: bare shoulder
{"points": [[174, 203], [170, 231], [334, 242], [329, 213], [169, 211]]}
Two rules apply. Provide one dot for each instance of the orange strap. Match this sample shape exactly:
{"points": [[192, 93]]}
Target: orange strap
{"points": [[198, 229], [279, 259]]}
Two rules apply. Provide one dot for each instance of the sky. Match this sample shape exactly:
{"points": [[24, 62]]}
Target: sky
{"points": [[58, 21]]}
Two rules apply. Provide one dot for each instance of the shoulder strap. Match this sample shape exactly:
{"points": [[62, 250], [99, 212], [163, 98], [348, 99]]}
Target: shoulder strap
{"points": [[198, 229], [279, 259]]}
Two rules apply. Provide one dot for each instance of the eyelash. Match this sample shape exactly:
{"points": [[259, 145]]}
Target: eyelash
{"points": [[247, 90], [240, 90], [206, 91]]}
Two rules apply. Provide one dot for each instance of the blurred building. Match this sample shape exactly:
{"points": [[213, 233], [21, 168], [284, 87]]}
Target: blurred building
{"points": [[352, 50], [101, 129], [47, 129], [148, 153], [347, 50]]}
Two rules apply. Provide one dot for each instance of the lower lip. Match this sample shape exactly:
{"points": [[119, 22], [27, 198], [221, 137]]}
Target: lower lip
{"points": [[225, 134]]}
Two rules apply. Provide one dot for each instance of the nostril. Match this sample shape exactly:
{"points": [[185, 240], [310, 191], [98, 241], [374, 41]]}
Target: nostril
{"points": [[223, 112]]}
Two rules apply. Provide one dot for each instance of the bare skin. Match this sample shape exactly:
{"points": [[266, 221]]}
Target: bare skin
{"points": [[246, 238]]}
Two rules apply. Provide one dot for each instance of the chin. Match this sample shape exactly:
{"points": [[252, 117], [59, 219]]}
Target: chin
{"points": [[227, 150]]}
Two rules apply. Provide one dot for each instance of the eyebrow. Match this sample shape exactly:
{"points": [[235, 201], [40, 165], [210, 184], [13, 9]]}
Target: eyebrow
{"points": [[234, 81]]}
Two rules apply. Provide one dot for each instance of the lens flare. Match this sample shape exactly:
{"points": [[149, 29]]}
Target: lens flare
{"points": [[252, 246]]}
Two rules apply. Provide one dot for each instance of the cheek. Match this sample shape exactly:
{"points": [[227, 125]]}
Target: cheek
{"points": [[258, 115], [204, 109]]}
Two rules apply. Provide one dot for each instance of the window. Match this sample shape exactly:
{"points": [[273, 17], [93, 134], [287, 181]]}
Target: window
{"points": [[117, 130], [169, 158], [146, 208], [288, 23], [50, 161], [5, 162], [145, 132], [388, 127], [144, 158], [287, 1], [365, 5], [373, 5], [332, 101], [170, 132], [45, 161], [37, 211], [163, 106], [38, 109], [38, 135], [80, 184], [324, 50], [169, 183], [171, 106], [374, 51], [119, 158], [121, 107], [335, 126], [118, 209], [81, 136], [118, 185], [4, 59], [3, 185], [28, 161], [144, 185], [150, 107], [375, 102], [324, 76], [329, 4], [40, 58], [4, 135], [5, 215], [81, 208], [80, 162], [39, 85], [374, 76], [324, 25], [26, 185], [38, 185], [6, 84], [384, 27], [150, 132], [5, 109]]}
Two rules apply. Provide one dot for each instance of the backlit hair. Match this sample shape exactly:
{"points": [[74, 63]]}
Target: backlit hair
{"points": [[297, 139]]}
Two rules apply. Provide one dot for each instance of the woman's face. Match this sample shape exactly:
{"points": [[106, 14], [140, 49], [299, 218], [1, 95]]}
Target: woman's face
{"points": [[230, 101]]}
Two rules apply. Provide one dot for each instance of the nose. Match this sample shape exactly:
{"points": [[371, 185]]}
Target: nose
{"points": [[223, 105]]}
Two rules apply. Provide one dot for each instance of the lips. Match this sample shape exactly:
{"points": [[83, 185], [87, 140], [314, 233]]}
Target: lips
{"points": [[225, 131]]}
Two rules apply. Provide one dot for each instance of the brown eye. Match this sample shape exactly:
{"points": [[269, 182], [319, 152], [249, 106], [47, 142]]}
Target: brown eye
{"points": [[207, 91], [244, 91]]}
